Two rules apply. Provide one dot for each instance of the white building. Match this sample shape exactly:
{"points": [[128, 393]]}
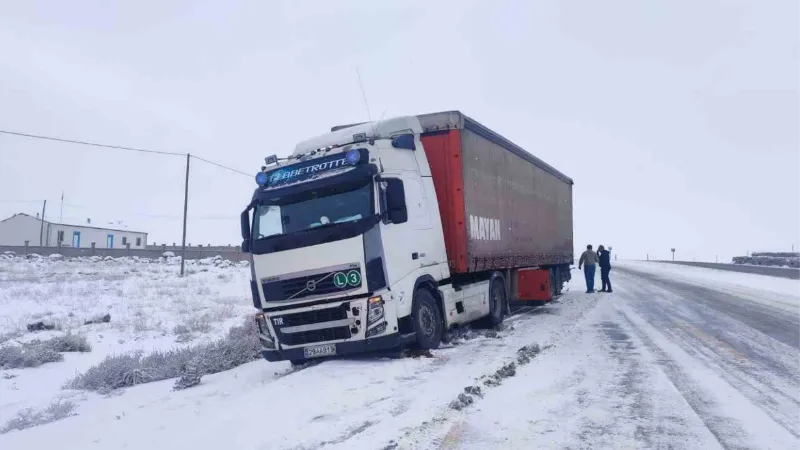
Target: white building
{"points": [[19, 228]]}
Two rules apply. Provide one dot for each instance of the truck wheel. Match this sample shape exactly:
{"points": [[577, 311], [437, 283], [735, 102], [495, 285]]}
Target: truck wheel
{"points": [[427, 320], [497, 304]]}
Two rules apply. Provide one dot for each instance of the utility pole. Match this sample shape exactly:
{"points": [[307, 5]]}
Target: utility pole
{"points": [[61, 215], [185, 209], [41, 229]]}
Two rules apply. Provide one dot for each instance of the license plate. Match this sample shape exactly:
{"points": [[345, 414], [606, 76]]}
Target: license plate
{"points": [[320, 350]]}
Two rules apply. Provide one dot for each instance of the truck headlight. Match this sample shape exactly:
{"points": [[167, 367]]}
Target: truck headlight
{"points": [[374, 310], [263, 332], [375, 316]]}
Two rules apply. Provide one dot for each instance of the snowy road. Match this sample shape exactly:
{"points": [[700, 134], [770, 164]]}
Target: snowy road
{"points": [[661, 363], [678, 357]]}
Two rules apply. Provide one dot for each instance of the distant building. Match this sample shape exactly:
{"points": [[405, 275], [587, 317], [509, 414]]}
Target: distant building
{"points": [[19, 228]]}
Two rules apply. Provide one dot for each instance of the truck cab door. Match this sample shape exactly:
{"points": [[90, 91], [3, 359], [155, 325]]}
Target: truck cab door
{"points": [[406, 243]]}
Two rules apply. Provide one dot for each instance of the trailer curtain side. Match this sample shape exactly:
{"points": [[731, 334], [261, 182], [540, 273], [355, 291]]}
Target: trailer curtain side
{"points": [[500, 208]]}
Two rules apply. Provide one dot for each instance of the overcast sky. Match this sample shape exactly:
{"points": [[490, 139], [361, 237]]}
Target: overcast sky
{"points": [[678, 120]]}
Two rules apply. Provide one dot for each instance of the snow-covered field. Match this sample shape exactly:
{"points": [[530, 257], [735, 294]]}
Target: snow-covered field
{"points": [[672, 359], [150, 308]]}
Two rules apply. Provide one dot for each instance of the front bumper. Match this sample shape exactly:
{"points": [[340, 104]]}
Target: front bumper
{"points": [[342, 348]]}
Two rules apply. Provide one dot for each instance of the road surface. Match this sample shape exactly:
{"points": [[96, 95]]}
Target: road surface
{"points": [[660, 363], [783, 272]]}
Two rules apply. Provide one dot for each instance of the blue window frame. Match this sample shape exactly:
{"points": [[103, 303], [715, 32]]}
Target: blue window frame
{"points": [[110, 241]]}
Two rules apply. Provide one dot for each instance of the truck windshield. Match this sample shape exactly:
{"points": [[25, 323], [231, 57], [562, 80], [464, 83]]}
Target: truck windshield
{"points": [[322, 207]]}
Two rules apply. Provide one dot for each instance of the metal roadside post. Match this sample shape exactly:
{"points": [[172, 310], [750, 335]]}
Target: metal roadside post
{"points": [[185, 209]]}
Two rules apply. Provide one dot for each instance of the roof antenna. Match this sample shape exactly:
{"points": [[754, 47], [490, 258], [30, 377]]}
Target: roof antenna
{"points": [[364, 96]]}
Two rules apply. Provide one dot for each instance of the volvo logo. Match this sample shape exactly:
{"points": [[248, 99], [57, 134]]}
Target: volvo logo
{"points": [[311, 285]]}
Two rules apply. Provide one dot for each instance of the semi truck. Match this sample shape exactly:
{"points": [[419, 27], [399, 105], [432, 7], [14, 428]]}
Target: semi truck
{"points": [[388, 234]]}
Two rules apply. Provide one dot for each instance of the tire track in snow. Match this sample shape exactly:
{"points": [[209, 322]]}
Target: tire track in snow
{"points": [[618, 408], [596, 388], [760, 367], [630, 384], [425, 435], [398, 406], [727, 431]]}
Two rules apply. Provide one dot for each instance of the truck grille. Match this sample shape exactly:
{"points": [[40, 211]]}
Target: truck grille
{"points": [[312, 317], [316, 316], [309, 337], [329, 282]]}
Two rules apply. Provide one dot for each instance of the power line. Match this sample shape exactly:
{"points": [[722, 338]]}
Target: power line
{"points": [[221, 166], [140, 150], [93, 144], [21, 201], [122, 147]]}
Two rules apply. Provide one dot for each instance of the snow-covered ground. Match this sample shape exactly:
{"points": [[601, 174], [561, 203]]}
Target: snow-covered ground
{"points": [[672, 359], [150, 307]]}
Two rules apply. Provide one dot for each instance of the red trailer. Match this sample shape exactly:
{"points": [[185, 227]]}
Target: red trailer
{"points": [[501, 207]]}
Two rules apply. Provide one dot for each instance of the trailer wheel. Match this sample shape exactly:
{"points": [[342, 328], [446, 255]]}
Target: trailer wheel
{"points": [[497, 304], [427, 320]]}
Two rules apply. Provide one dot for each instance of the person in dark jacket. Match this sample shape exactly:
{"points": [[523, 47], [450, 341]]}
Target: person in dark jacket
{"points": [[604, 259]]}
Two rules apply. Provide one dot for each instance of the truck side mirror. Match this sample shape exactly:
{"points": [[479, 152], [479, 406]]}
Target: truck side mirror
{"points": [[245, 224], [405, 141], [396, 211]]}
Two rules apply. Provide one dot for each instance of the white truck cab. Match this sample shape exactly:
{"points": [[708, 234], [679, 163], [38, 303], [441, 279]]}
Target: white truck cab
{"points": [[343, 233]]}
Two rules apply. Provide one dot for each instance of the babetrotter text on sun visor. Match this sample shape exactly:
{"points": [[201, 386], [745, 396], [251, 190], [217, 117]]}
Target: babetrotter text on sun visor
{"points": [[314, 169]]}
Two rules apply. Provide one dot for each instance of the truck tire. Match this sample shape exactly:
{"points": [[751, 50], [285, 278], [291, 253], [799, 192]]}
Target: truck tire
{"points": [[427, 320], [497, 304], [297, 362]]}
